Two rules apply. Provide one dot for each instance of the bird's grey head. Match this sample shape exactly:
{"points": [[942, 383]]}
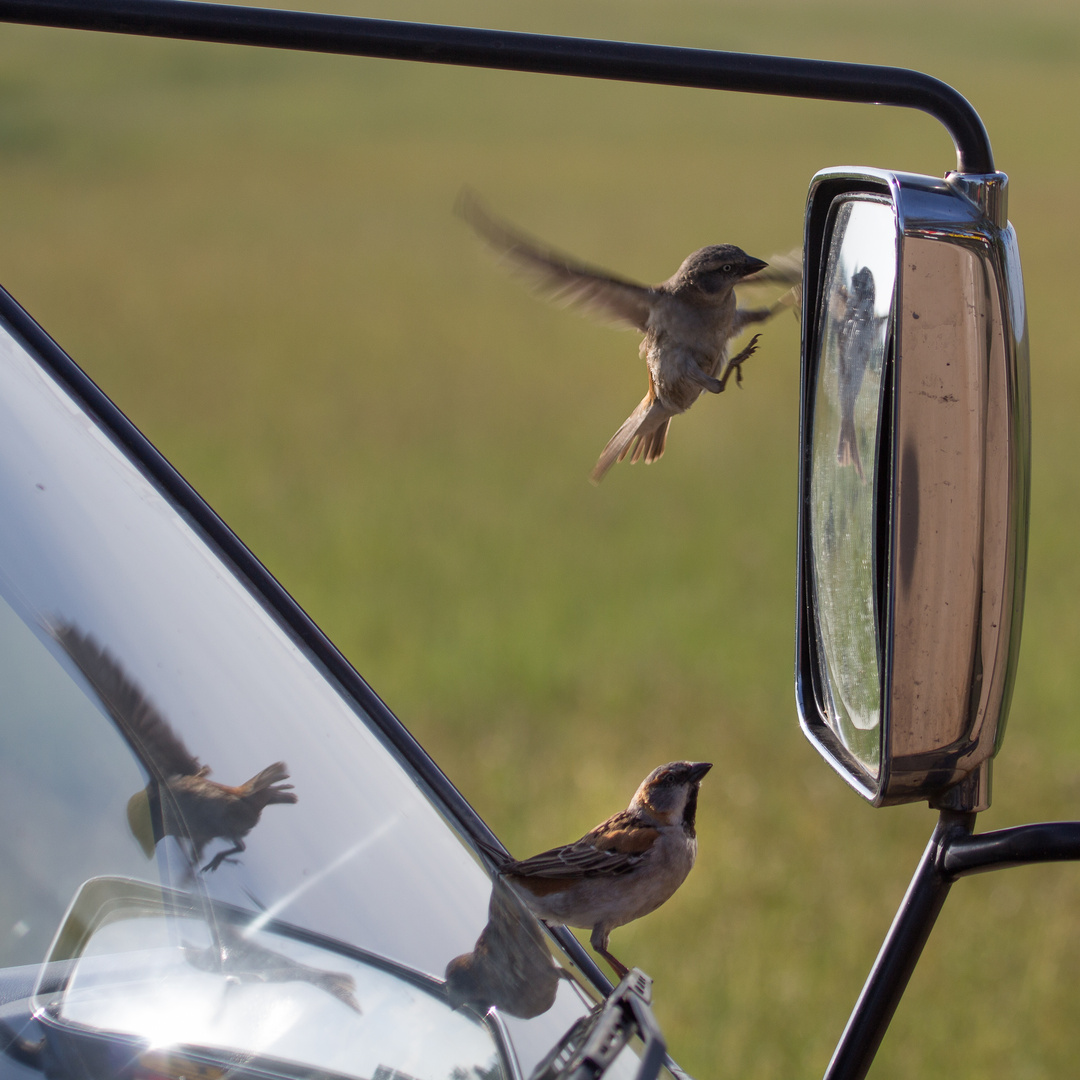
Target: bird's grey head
{"points": [[715, 269], [670, 792], [862, 285]]}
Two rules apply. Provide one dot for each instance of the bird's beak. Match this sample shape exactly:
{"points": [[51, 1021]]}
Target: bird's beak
{"points": [[754, 266], [699, 769]]}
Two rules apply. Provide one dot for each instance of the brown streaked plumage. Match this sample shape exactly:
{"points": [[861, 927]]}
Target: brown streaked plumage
{"points": [[179, 800], [624, 868], [688, 322]]}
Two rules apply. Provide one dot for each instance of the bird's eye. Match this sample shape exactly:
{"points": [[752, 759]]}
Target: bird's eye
{"points": [[727, 268]]}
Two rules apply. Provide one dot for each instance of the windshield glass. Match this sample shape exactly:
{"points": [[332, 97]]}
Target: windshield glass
{"points": [[163, 729]]}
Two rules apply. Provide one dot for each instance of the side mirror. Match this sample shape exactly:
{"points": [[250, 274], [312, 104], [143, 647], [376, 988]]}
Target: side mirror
{"points": [[147, 981], [914, 476]]}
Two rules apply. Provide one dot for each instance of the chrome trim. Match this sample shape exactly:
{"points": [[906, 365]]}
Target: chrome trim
{"points": [[988, 191], [954, 501]]}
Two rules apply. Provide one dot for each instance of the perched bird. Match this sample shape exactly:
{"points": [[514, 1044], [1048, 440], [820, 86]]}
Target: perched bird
{"points": [[179, 800], [510, 967], [625, 867], [689, 322]]}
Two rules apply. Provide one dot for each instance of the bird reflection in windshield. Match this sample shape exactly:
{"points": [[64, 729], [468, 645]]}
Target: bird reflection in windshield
{"points": [[179, 801], [857, 333], [242, 960], [510, 967]]}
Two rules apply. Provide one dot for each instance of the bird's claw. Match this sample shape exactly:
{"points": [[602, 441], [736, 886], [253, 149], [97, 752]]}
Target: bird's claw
{"points": [[216, 861], [737, 363]]}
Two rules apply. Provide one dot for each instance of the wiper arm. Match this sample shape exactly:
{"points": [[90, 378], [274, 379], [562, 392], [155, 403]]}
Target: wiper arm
{"points": [[596, 1040]]}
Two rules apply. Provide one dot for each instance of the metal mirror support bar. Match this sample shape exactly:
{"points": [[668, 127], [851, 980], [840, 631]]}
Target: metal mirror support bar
{"points": [[953, 852], [749, 73]]}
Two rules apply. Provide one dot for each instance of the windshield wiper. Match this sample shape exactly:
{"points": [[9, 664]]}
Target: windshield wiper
{"points": [[596, 1040]]}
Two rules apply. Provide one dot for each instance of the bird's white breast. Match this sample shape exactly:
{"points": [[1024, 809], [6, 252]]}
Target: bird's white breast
{"points": [[616, 900]]}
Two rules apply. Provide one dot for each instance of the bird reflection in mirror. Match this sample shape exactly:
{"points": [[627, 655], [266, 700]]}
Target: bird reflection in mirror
{"points": [[688, 322], [510, 968], [857, 328], [241, 960], [624, 868], [179, 800]]}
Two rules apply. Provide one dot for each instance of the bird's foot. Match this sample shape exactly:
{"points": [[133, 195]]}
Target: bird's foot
{"points": [[737, 362], [215, 862], [218, 859], [620, 969]]}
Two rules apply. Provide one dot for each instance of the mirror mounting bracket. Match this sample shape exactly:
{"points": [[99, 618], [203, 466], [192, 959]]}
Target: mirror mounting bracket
{"points": [[988, 191], [952, 853], [970, 794]]}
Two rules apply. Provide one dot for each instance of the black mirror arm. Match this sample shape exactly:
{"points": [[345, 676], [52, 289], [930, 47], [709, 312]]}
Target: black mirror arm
{"points": [[746, 72], [1051, 841], [953, 852]]}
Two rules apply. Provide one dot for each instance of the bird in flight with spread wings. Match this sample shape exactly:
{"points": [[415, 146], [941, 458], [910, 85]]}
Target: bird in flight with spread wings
{"points": [[688, 321], [179, 800]]}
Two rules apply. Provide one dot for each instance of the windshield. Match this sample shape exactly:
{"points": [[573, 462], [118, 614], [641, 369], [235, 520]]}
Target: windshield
{"points": [[163, 730]]}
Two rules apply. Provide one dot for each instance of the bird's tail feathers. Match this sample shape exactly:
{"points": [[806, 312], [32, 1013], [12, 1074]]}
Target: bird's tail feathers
{"points": [[847, 450], [651, 446], [642, 435], [268, 785], [499, 856], [338, 984]]}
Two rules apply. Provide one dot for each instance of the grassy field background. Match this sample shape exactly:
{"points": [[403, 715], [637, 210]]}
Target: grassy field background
{"points": [[254, 253]]}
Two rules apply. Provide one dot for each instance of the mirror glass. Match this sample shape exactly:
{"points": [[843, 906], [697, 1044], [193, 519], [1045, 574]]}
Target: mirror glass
{"points": [[852, 333], [211, 989]]}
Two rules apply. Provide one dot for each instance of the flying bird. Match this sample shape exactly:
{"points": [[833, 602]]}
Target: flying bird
{"points": [[857, 331], [237, 956], [624, 868], [688, 322], [179, 800]]}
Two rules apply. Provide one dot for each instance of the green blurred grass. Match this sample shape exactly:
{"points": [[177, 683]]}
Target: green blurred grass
{"points": [[254, 254]]}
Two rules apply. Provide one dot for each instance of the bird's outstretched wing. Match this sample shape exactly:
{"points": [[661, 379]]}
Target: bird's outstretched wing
{"points": [[559, 277], [783, 269], [147, 732], [615, 847]]}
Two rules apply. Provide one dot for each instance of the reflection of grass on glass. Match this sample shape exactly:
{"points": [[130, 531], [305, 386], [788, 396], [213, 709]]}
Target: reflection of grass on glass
{"points": [[255, 254], [855, 638]]}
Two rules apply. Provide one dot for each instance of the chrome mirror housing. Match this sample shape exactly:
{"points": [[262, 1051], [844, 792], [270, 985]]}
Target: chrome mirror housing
{"points": [[914, 467]]}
